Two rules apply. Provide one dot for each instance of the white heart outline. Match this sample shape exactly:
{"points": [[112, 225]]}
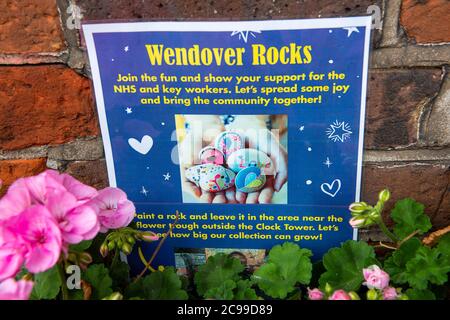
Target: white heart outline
{"points": [[144, 146], [330, 187]]}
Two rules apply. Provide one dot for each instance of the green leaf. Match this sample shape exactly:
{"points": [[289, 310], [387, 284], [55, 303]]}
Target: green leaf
{"points": [[344, 265], [81, 247], [409, 217], [120, 274], [395, 265], [415, 294], [222, 292], [244, 291], [76, 295], [286, 266], [444, 245], [217, 269], [46, 284], [135, 289], [428, 265], [97, 276], [159, 285]]}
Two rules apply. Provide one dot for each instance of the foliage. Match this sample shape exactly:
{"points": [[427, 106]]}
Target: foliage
{"points": [[218, 276], [159, 285], [286, 266], [46, 284], [408, 267], [97, 276], [409, 217], [343, 265]]}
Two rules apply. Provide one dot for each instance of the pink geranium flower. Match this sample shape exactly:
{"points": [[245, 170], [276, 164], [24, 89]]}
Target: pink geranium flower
{"points": [[11, 259], [340, 295], [14, 202], [76, 222], [80, 191], [390, 293], [375, 278], [114, 210], [38, 234], [315, 294], [11, 289]]}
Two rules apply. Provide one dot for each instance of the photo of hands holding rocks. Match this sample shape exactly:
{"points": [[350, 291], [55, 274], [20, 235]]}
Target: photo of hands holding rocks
{"points": [[233, 158]]}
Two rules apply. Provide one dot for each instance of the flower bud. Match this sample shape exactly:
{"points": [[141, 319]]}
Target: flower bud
{"points": [[111, 245], [384, 195], [104, 250], [131, 240], [114, 296], [315, 294], [72, 257], [126, 248], [85, 258], [372, 294], [360, 222], [148, 236], [375, 214], [358, 207], [357, 222], [328, 289], [354, 296]]}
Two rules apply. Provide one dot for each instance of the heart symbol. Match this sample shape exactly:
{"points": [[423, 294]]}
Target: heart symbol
{"points": [[328, 188], [143, 146]]}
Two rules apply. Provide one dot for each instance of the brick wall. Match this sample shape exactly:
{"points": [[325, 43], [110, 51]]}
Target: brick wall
{"points": [[48, 118]]}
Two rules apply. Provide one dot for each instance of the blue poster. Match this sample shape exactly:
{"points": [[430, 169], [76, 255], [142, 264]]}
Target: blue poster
{"points": [[233, 136]]}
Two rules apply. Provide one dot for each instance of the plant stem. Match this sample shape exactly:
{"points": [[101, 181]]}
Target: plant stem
{"points": [[386, 230], [407, 238], [115, 258], [62, 278], [161, 242]]}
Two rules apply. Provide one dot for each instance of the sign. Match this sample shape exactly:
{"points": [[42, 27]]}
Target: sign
{"points": [[248, 133]]}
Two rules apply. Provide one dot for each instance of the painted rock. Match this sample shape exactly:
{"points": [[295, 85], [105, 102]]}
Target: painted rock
{"points": [[244, 158], [216, 178], [229, 142], [194, 173], [211, 155], [250, 179]]}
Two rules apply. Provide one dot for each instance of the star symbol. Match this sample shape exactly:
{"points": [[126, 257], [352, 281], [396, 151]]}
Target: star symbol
{"points": [[244, 34], [350, 30], [126, 48], [328, 163], [339, 131], [144, 191], [301, 128], [128, 110], [166, 176]]}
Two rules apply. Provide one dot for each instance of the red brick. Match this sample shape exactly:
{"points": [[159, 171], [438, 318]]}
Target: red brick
{"points": [[11, 170], [223, 9], [428, 184], [48, 104], [30, 26], [442, 216], [394, 103], [426, 21], [93, 173]]}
